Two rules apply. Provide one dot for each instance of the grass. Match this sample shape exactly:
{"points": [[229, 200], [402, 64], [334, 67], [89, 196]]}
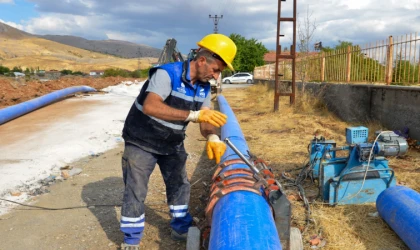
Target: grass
{"points": [[281, 138]]}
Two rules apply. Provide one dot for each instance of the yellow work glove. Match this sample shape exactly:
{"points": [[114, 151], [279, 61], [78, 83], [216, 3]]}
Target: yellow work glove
{"points": [[215, 147], [213, 117]]}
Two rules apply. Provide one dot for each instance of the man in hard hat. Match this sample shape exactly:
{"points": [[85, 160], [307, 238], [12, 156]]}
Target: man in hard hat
{"points": [[174, 95]]}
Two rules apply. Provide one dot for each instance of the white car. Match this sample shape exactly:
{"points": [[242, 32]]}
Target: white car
{"points": [[239, 77], [216, 86]]}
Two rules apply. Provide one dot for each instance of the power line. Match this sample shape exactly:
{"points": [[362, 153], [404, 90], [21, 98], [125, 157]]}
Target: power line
{"points": [[216, 21]]}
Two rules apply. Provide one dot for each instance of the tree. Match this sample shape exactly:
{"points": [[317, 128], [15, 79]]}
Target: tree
{"points": [[116, 72], [250, 53], [404, 71], [4, 70], [66, 72], [140, 73], [363, 67], [17, 69], [327, 49], [343, 45], [306, 30]]}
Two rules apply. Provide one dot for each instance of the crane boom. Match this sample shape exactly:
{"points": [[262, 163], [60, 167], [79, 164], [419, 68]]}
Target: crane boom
{"points": [[170, 53]]}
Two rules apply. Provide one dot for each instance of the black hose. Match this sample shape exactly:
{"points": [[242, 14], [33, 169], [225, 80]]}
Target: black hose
{"points": [[63, 208]]}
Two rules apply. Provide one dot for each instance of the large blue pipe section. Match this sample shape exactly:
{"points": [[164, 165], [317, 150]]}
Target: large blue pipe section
{"points": [[400, 207], [241, 219], [20, 109]]}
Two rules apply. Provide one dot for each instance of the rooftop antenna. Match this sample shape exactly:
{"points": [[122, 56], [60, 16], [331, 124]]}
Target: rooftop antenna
{"points": [[216, 21]]}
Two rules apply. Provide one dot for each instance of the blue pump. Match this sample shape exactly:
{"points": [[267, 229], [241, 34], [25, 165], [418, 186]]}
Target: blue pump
{"points": [[360, 176]]}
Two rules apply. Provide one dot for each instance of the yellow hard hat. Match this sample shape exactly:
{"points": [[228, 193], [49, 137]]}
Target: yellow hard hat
{"points": [[221, 45]]}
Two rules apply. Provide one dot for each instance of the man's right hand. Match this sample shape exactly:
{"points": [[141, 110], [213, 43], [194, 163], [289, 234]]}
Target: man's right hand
{"points": [[213, 117]]}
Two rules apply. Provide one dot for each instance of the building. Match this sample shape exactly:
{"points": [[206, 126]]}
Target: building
{"points": [[96, 72], [18, 74], [270, 57]]}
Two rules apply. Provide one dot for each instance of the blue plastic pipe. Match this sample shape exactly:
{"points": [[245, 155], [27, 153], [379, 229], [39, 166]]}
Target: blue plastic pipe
{"points": [[400, 208], [241, 219], [20, 109]]}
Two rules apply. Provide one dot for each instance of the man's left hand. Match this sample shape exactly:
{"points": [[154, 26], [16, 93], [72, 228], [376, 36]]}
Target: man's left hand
{"points": [[215, 147]]}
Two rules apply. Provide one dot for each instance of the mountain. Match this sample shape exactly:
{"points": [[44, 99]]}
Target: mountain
{"points": [[7, 31], [21, 49], [112, 47]]}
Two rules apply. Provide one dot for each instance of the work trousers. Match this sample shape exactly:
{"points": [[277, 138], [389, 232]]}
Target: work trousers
{"points": [[137, 166]]}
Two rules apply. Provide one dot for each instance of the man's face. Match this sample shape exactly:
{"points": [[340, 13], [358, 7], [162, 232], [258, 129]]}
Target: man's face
{"points": [[209, 70]]}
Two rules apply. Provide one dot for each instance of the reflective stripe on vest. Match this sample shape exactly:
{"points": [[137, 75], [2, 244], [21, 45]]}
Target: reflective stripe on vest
{"points": [[164, 123]]}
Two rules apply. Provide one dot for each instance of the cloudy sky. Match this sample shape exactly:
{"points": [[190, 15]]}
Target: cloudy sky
{"points": [[152, 22]]}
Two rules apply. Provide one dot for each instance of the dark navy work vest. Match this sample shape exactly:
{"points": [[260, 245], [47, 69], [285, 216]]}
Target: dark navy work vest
{"points": [[158, 135]]}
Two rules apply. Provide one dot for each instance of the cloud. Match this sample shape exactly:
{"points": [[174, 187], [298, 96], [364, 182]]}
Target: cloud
{"points": [[7, 1], [152, 22], [65, 24]]}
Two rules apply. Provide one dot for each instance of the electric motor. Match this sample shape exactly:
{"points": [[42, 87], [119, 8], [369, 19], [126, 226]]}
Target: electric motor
{"points": [[390, 144]]}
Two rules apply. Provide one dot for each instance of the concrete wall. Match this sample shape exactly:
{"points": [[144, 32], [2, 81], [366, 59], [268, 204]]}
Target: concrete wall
{"points": [[395, 107]]}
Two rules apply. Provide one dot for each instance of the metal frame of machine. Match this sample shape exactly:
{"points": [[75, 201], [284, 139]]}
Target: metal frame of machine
{"points": [[362, 175]]}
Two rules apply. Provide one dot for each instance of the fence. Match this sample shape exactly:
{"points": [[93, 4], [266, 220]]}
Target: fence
{"points": [[393, 61]]}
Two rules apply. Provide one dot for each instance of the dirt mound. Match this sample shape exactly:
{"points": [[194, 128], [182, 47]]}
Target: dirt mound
{"points": [[14, 91]]}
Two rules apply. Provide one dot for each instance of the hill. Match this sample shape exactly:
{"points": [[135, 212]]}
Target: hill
{"points": [[18, 48], [112, 47], [7, 31]]}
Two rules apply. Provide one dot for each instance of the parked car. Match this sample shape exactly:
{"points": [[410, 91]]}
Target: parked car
{"points": [[239, 77], [216, 86]]}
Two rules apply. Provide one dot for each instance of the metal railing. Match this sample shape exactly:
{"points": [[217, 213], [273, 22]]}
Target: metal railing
{"points": [[393, 61]]}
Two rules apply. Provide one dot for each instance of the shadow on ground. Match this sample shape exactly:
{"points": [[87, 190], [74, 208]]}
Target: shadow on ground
{"points": [[107, 196], [109, 192]]}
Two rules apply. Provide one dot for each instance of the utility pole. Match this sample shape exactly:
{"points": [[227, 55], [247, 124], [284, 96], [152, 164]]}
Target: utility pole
{"points": [[216, 21], [138, 60]]}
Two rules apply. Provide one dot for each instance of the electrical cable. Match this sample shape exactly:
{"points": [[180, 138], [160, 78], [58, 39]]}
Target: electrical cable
{"points": [[63, 208], [307, 169], [67, 208], [367, 167], [303, 175], [226, 6]]}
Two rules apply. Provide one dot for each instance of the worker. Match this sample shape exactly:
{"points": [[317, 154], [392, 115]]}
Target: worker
{"points": [[154, 130]]}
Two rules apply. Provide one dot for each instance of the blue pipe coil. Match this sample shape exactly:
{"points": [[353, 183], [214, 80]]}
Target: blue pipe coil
{"points": [[241, 219], [20, 109], [400, 208]]}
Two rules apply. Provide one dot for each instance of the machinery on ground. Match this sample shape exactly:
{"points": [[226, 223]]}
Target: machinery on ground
{"points": [[363, 174], [170, 53], [192, 54]]}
